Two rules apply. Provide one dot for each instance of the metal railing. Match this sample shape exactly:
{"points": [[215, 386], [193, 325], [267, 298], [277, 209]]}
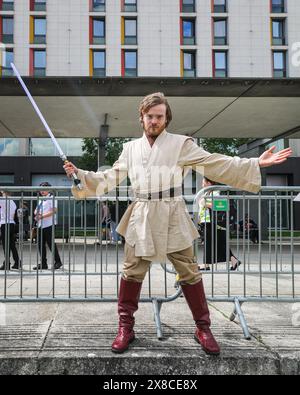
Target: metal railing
{"points": [[89, 249], [266, 246], [91, 252]]}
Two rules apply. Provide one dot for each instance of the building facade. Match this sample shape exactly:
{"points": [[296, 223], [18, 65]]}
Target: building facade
{"points": [[139, 38]]}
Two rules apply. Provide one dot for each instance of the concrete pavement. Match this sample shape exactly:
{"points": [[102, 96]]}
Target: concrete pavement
{"points": [[75, 338]]}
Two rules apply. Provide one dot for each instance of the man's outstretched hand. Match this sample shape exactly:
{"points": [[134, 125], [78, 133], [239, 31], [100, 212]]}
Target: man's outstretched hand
{"points": [[269, 158]]}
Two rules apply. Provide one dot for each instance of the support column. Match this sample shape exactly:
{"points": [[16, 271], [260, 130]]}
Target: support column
{"points": [[103, 136]]}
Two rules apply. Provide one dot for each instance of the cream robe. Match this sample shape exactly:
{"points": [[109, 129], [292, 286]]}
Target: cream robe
{"points": [[158, 227]]}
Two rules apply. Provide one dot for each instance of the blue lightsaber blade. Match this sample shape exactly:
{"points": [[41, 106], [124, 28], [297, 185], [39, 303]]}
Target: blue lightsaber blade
{"points": [[51, 135]]}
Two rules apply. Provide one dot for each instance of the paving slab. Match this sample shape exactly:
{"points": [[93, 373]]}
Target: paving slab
{"points": [[75, 338]]}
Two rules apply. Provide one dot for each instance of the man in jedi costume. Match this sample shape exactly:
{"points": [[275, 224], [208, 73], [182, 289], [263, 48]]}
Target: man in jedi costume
{"points": [[157, 225]]}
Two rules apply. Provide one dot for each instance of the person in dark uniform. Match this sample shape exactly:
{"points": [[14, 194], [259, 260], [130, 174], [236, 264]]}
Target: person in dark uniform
{"points": [[8, 236], [213, 232]]}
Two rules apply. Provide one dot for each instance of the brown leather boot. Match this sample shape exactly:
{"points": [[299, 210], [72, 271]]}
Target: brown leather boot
{"points": [[195, 297], [127, 305]]}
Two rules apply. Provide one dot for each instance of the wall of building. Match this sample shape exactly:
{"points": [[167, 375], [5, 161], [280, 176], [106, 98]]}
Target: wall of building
{"points": [[24, 167], [21, 36], [158, 38], [249, 37], [295, 145], [293, 38]]}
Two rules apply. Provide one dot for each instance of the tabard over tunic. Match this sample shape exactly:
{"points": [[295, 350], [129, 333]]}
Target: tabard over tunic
{"points": [[158, 227]]}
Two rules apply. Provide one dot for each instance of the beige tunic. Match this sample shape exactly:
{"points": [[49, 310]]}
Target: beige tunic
{"points": [[158, 227]]}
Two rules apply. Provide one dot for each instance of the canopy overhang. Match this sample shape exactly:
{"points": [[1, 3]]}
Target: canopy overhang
{"points": [[77, 107]]}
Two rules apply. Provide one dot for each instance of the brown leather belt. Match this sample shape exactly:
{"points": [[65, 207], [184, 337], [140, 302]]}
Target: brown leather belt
{"points": [[170, 193]]}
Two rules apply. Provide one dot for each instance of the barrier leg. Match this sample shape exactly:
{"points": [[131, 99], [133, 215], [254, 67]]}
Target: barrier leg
{"points": [[156, 309], [238, 311]]}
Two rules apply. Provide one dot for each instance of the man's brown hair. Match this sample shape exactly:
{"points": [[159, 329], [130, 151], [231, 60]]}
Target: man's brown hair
{"points": [[153, 100]]}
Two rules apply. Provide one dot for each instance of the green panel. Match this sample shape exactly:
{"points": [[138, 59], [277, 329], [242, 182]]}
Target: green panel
{"points": [[220, 205]]}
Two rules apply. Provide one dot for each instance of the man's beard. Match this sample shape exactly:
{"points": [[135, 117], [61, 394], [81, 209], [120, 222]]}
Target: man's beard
{"points": [[154, 132]]}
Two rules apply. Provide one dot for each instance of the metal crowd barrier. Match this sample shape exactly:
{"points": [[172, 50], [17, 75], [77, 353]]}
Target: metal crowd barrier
{"points": [[90, 251], [268, 249], [92, 254]]}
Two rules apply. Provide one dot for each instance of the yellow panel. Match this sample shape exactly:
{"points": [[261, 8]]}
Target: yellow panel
{"points": [[91, 63], [31, 37], [181, 63], [122, 30]]}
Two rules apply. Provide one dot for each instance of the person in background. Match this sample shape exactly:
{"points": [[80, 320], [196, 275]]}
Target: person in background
{"points": [[251, 227], [45, 216], [213, 232], [23, 218], [7, 214], [105, 221], [115, 237]]}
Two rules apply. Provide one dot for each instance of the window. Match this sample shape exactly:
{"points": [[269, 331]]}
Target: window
{"points": [[39, 63], [130, 63], [130, 31], [280, 145], [39, 30], [99, 67], [98, 5], [44, 147], [220, 32], [282, 211], [279, 64], [7, 59], [220, 5], [278, 6], [188, 32], [129, 6], [98, 31], [9, 147], [188, 6], [7, 36], [7, 5], [7, 179], [38, 5], [278, 32], [189, 64], [220, 64]]}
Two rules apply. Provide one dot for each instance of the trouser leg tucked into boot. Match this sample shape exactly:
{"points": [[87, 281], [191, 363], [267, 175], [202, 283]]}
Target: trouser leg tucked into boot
{"points": [[127, 305], [195, 297]]}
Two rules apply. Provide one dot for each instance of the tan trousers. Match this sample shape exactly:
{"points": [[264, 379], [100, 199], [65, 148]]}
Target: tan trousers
{"points": [[184, 262]]}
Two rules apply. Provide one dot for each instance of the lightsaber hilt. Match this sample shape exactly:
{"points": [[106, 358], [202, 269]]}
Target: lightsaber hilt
{"points": [[74, 176]]}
